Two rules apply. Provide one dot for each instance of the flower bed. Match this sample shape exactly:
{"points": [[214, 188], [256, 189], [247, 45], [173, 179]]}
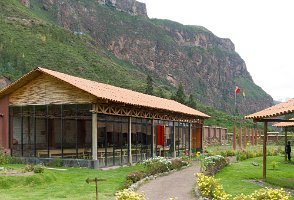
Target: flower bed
{"points": [[212, 164], [210, 188], [129, 195], [155, 167]]}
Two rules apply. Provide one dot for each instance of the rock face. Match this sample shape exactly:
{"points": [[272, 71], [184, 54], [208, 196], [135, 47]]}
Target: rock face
{"points": [[26, 3], [132, 7], [205, 64]]}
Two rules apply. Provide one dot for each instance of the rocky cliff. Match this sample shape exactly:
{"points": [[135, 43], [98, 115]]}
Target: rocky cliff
{"points": [[207, 66]]}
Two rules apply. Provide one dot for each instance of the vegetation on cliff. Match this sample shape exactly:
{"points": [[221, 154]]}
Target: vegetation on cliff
{"points": [[86, 39]]}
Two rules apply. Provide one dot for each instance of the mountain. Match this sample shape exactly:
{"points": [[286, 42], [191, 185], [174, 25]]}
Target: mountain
{"points": [[114, 41]]}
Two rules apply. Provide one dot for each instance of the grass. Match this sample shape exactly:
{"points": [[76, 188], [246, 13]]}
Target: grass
{"points": [[69, 184], [233, 177]]}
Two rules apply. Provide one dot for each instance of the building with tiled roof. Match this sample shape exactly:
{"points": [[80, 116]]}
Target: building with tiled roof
{"points": [[271, 114], [48, 114]]}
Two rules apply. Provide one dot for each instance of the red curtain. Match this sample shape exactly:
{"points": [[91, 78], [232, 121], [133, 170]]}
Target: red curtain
{"points": [[160, 135]]}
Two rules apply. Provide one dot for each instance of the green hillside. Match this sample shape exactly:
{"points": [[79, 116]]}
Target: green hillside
{"points": [[27, 42], [29, 38]]}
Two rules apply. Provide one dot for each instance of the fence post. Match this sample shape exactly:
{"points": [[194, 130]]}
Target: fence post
{"points": [[234, 138], [245, 137], [240, 137]]}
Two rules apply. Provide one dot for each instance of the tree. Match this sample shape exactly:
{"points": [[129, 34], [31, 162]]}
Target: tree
{"points": [[160, 93], [191, 101], [180, 95], [149, 87]]}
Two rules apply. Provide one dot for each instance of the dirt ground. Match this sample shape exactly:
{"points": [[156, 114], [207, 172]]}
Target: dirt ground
{"points": [[178, 185]]}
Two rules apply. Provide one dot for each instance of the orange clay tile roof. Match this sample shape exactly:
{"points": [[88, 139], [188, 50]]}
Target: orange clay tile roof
{"points": [[276, 110], [284, 124], [112, 93]]}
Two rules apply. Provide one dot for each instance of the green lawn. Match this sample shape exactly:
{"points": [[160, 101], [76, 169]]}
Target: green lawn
{"points": [[69, 184], [233, 177]]}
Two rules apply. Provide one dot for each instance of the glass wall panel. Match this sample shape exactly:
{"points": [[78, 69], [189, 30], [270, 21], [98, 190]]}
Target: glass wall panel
{"points": [[134, 142], [148, 146], [69, 132], [41, 131], [16, 130], [84, 130], [168, 148], [28, 131], [54, 131], [124, 140]]}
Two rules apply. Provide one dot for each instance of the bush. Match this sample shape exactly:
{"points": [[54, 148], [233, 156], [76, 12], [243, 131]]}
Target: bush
{"points": [[242, 197], [241, 155], [129, 195], [28, 168], [271, 194], [157, 165], [210, 187], [39, 169], [212, 164], [55, 162], [134, 177], [4, 158], [178, 163]]}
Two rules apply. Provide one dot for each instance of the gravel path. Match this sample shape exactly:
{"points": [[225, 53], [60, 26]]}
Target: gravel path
{"points": [[178, 185]]}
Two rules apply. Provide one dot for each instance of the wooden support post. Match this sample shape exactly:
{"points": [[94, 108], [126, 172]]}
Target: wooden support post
{"points": [[220, 136], [130, 141], [286, 140], [208, 137], [94, 136], [152, 139], [234, 138], [174, 140], [256, 136], [264, 150], [240, 137], [245, 137], [248, 135], [190, 139], [253, 136]]}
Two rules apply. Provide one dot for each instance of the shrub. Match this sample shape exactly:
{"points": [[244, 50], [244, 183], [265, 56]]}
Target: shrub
{"points": [[129, 195], [213, 164], [178, 163], [274, 165], [39, 169], [55, 162], [271, 194], [133, 177], [210, 187], [242, 197], [4, 158], [28, 168], [157, 165]]}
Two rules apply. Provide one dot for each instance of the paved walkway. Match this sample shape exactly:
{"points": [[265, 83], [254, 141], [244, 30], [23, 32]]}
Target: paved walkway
{"points": [[179, 185]]}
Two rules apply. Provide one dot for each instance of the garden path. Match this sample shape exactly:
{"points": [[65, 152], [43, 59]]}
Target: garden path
{"points": [[179, 185]]}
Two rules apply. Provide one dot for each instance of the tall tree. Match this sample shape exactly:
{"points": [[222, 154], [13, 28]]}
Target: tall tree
{"points": [[191, 102], [180, 95], [160, 93], [149, 87]]}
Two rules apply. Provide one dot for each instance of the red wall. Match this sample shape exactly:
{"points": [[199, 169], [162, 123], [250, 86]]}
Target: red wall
{"points": [[4, 118]]}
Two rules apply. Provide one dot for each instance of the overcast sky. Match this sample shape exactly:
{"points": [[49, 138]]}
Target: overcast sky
{"points": [[262, 31]]}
